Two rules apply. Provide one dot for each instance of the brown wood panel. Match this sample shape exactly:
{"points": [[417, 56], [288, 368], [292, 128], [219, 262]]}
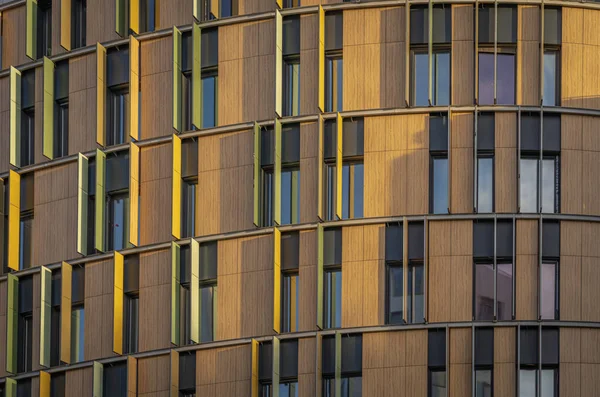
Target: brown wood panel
{"points": [[77, 380], [460, 346], [528, 91], [155, 192], [461, 237], [352, 294], [440, 232], [590, 345], [439, 289], [461, 288], [570, 238], [527, 237], [590, 80], [572, 172], [228, 306], [416, 347], [505, 126], [157, 105], [504, 380], [571, 91], [100, 22], [153, 375], [352, 244], [155, 298], [590, 379], [205, 366], [309, 175], [571, 131], [98, 326], [173, 13], [572, 21], [417, 182], [590, 279], [460, 379], [506, 180], [13, 37], [463, 59], [229, 83], [374, 292], [590, 181], [526, 293], [3, 304], [82, 103], [376, 196], [416, 381], [570, 379], [208, 204], [570, 287], [591, 22], [373, 382], [461, 199], [570, 345], [392, 70], [505, 344], [590, 232]]}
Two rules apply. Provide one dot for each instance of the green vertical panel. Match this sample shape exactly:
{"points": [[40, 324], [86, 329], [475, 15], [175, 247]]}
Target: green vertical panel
{"points": [[197, 76], [195, 292], [278, 63], [31, 30], [321, 59], [175, 289], [257, 173], [196, 9], [320, 276], [100, 199], [45, 313], [48, 137], [338, 364], [12, 312], [275, 367], [11, 387], [120, 17], [177, 79], [118, 298], [15, 117], [100, 93], [277, 182], [176, 188], [276, 280], [82, 203], [98, 379]]}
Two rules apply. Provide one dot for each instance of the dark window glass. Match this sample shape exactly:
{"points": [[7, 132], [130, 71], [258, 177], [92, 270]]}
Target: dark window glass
{"points": [[118, 110], [416, 298], [351, 387], [334, 31], [437, 383], [289, 296], [290, 195], [485, 184], [209, 101], [528, 189], [420, 82], [26, 231], [57, 384], [55, 336], [24, 388], [439, 187], [188, 205], [552, 26], [549, 291], [186, 101], [395, 294], [353, 182], [130, 340], [25, 339], [118, 221], [551, 83], [334, 69], [147, 15], [332, 246], [115, 380], [44, 28], [483, 383], [27, 136], [78, 26], [504, 287], [333, 298], [505, 84], [484, 291], [185, 316], [208, 307], [61, 133], [228, 8], [291, 87], [440, 78], [267, 197], [484, 347], [486, 78], [77, 333], [187, 373]]}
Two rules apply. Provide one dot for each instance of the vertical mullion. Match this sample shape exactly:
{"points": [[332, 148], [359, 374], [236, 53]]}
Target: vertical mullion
{"points": [[82, 203], [425, 266], [473, 374], [45, 315], [542, 27], [101, 93], [100, 244], [338, 364], [175, 291], [495, 266], [119, 297], [518, 383], [519, 159], [540, 185], [495, 49], [48, 134], [476, 34], [195, 308], [539, 269], [539, 371]]}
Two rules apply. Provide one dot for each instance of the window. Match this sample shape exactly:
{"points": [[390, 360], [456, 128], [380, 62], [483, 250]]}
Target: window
{"points": [[415, 304], [288, 368], [210, 79], [228, 8], [25, 324], [187, 374], [394, 274], [539, 186], [26, 221], [44, 28], [552, 43], [351, 366], [61, 109], [27, 118], [352, 168], [291, 3], [55, 318], [334, 63], [440, 55], [57, 384], [148, 13], [78, 23], [4, 205], [267, 158], [500, 52], [485, 162], [332, 280], [189, 183], [118, 221], [530, 367], [436, 362], [291, 66], [115, 379], [290, 291], [438, 150], [91, 215], [549, 288], [484, 362], [24, 388], [290, 174], [204, 12], [77, 314], [131, 304], [208, 291], [493, 275], [117, 96]]}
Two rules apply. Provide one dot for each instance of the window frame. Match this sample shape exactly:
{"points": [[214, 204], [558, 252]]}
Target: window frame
{"points": [[329, 312], [389, 265], [483, 155], [111, 198], [112, 125], [331, 97], [556, 263], [207, 73], [286, 315], [433, 157], [212, 283], [291, 62]]}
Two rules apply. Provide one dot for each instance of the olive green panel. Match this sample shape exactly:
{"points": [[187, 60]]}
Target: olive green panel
{"points": [[176, 188], [278, 63], [257, 174], [48, 137], [15, 117], [31, 29], [121, 13], [66, 300], [82, 203], [175, 290], [321, 59], [118, 297], [100, 93], [12, 319], [98, 380], [275, 375], [321, 160], [100, 200], [277, 175], [45, 315], [195, 292], [276, 280], [197, 76], [320, 276], [11, 387], [177, 79]]}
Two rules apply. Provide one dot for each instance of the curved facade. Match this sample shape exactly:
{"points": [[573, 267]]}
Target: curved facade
{"points": [[247, 198]]}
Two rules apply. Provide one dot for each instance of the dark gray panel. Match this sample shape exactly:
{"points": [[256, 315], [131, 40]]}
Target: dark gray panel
{"points": [[117, 172], [92, 176], [529, 346], [394, 242], [61, 80], [24, 388], [117, 67], [187, 56], [484, 346], [115, 379], [334, 31], [419, 25], [551, 141], [507, 24], [78, 284], [185, 264], [187, 370], [328, 352], [210, 47], [436, 349], [486, 126], [27, 89], [530, 131], [552, 25], [504, 238], [329, 139], [56, 287], [27, 192], [551, 239], [332, 246], [483, 239], [131, 279], [486, 23], [550, 346], [351, 353], [189, 158], [267, 146], [438, 132], [353, 136], [288, 359], [208, 260], [265, 361], [291, 35], [290, 251], [26, 294], [290, 143], [57, 384], [416, 240], [442, 24]]}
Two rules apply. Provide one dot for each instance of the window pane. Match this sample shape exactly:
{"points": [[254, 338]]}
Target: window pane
{"points": [[441, 79], [25, 246], [527, 383], [354, 387], [290, 196], [548, 297], [421, 80], [486, 79], [528, 193], [485, 184], [548, 382], [505, 87], [77, 332], [209, 96], [438, 383], [334, 79], [331, 186], [358, 193], [291, 86], [290, 303], [267, 197], [415, 302], [119, 209], [395, 295], [226, 9], [333, 299], [504, 290], [483, 383], [440, 185], [548, 185], [549, 79], [484, 292], [288, 389], [207, 305]]}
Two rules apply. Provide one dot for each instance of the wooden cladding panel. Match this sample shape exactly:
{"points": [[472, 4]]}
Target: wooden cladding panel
{"points": [[82, 103], [173, 13], [528, 56], [505, 344], [155, 192], [13, 37], [526, 266], [463, 54], [77, 380], [157, 89], [153, 376], [98, 325], [309, 65], [101, 22], [308, 286], [461, 200], [155, 300], [506, 162], [309, 165]]}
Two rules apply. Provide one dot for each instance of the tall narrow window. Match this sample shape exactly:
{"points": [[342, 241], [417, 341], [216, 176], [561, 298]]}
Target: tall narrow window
{"points": [[228, 8], [436, 362], [148, 11], [485, 162], [57, 384], [497, 59], [332, 280], [549, 288], [440, 55], [291, 3], [27, 118], [334, 63], [351, 368], [552, 44], [185, 296], [531, 371], [415, 304], [77, 314], [187, 374], [78, 23], [131, 287], [484, 362], [189, 184], [291, 66], [114, 379], [61, 109], [117, 125], [117, 201], [210, 77], [290, 174], [290, 258], [438, 174], [288, 368], [267, 142], [25, 324], [394, 274], [44, 28], [208, 291], [55, 318], [26, 222]]}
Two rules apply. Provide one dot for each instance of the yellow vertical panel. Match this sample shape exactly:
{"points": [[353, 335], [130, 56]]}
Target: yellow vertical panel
{"points": [[65, 24], [254, 392], [15, 117], [257, 174], [134, 16], [321, 58], [278, 63], [338, 166], [177, 79], [195, 292], [82, 203], [44, 384], [48, 137], [45, 315], [31, 29], [197, 76], [131, 376], [196, 9], [276, 280], [134, 193], [11, 387], [100, 199], [321, 160], [277, 175], [98, 380], [134, 87], [66, 280], [119, 264], [174, 382], [279, 3], [12, 312], [14, 219], [156, 15], [100, 93], [176, 189], [214, 8], [175, 289]]}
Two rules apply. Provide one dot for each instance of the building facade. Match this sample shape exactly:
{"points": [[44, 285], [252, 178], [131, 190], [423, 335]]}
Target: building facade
{"points": [[279, 198]]}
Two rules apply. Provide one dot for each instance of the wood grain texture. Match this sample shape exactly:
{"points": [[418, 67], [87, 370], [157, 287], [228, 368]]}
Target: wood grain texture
{"points": [[153, 376], [98, 326], [13, 37], [77, 380], [156, 63], [82, 103], [100, 22], [462, 55], [528, 55], [155, 194], [461, 199], [309, 169], [154, 301]]}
